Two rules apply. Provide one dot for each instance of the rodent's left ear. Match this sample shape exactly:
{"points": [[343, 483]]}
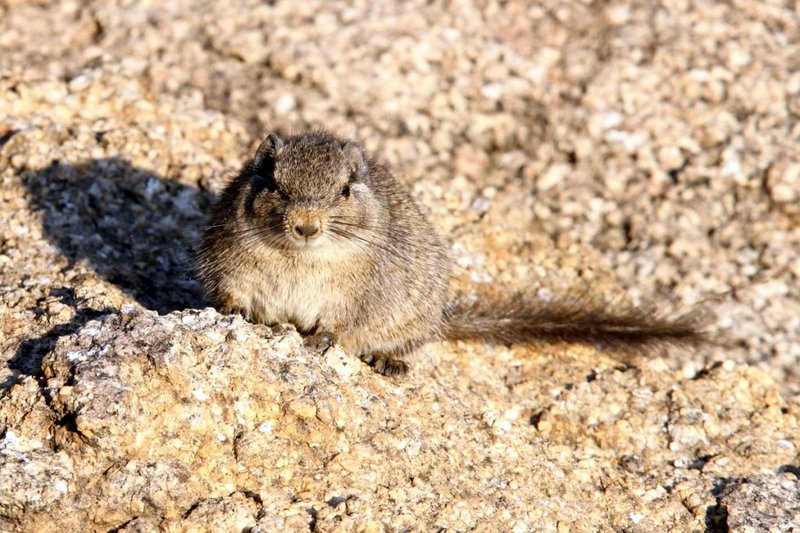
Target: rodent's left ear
{"points": [[355, 157], [268, 149]]}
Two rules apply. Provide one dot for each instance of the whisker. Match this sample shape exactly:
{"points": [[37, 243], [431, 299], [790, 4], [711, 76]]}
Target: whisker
{"points": [[430, 247], [392, 252]]}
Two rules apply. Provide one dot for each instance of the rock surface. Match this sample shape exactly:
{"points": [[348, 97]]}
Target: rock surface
{"points": [[635, 150], [762, 504], [198, 419]]}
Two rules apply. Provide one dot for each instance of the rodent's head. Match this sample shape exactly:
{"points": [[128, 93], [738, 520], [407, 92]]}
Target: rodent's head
{"points": [[309, 191]]}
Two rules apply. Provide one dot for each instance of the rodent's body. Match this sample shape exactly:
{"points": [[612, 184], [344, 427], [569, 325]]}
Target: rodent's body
{"points": [[301, 290], [314, 233], [375, 277]]}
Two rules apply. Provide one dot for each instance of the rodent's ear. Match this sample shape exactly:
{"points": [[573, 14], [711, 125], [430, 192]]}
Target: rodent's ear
{"points": [[355, 158], [268, 149]]}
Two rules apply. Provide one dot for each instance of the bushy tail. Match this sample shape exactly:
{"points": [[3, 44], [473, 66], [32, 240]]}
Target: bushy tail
{"points": [[519, 319]]}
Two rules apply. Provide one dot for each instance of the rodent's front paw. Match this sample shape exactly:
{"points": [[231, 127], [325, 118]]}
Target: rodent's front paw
{"points": [[320, 342], [385, 365]]}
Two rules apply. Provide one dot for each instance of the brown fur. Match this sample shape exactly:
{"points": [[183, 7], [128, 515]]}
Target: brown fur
{"points": [[315, 233], [519, 317]]}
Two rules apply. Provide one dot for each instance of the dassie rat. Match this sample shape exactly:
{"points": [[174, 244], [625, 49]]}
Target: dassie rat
{"points": [[314, 232]]}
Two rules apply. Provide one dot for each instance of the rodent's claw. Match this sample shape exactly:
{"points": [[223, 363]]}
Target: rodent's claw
{"points": [[384, 364], [320, 342]]}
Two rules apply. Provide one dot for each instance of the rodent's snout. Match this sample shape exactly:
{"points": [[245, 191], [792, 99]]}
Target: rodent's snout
{"points": [[307, 231], [303, 224]]}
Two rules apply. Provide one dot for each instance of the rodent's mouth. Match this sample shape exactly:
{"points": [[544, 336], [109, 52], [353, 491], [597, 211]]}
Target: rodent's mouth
{"points": [[306, 244]]}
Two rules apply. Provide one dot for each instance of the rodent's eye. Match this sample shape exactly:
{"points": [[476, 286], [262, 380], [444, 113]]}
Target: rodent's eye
{"points": [[346, 190]]}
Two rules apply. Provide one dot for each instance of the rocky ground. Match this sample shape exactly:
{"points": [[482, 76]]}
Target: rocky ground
{"points": [[636, 150]]}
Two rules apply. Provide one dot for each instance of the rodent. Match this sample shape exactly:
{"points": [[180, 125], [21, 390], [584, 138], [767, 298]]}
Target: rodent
{"points": [[315, 232]]}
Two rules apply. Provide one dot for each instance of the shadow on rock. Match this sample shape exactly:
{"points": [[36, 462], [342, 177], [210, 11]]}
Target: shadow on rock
{"points": [[134, 228], [29, 356]]}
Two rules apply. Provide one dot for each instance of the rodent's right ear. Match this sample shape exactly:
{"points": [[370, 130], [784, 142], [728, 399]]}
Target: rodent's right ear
{"points": [[355, 158], [268, 149]]}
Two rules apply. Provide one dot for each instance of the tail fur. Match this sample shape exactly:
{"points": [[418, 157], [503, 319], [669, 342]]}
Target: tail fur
{"points": [[520, 319]]}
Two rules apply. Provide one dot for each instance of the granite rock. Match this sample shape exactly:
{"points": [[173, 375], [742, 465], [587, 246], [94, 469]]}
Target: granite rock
{"points": [[633, 151]]}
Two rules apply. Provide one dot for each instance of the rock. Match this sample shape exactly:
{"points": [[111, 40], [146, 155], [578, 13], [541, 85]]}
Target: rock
{"points": [[196, 418], [670, 158], [761, 503], [783, 182], [553, 176], [559, 149]]}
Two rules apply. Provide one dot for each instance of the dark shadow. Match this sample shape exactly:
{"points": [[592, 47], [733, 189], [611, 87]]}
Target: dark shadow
{"points": [[28, 358], [717, 515], [134, 228]]}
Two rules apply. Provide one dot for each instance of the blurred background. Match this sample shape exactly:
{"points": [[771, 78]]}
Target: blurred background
{"points": [[658, 139]]}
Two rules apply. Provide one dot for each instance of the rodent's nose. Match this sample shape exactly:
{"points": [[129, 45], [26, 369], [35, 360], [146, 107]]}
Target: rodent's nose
{"points": [[308, 231]]}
